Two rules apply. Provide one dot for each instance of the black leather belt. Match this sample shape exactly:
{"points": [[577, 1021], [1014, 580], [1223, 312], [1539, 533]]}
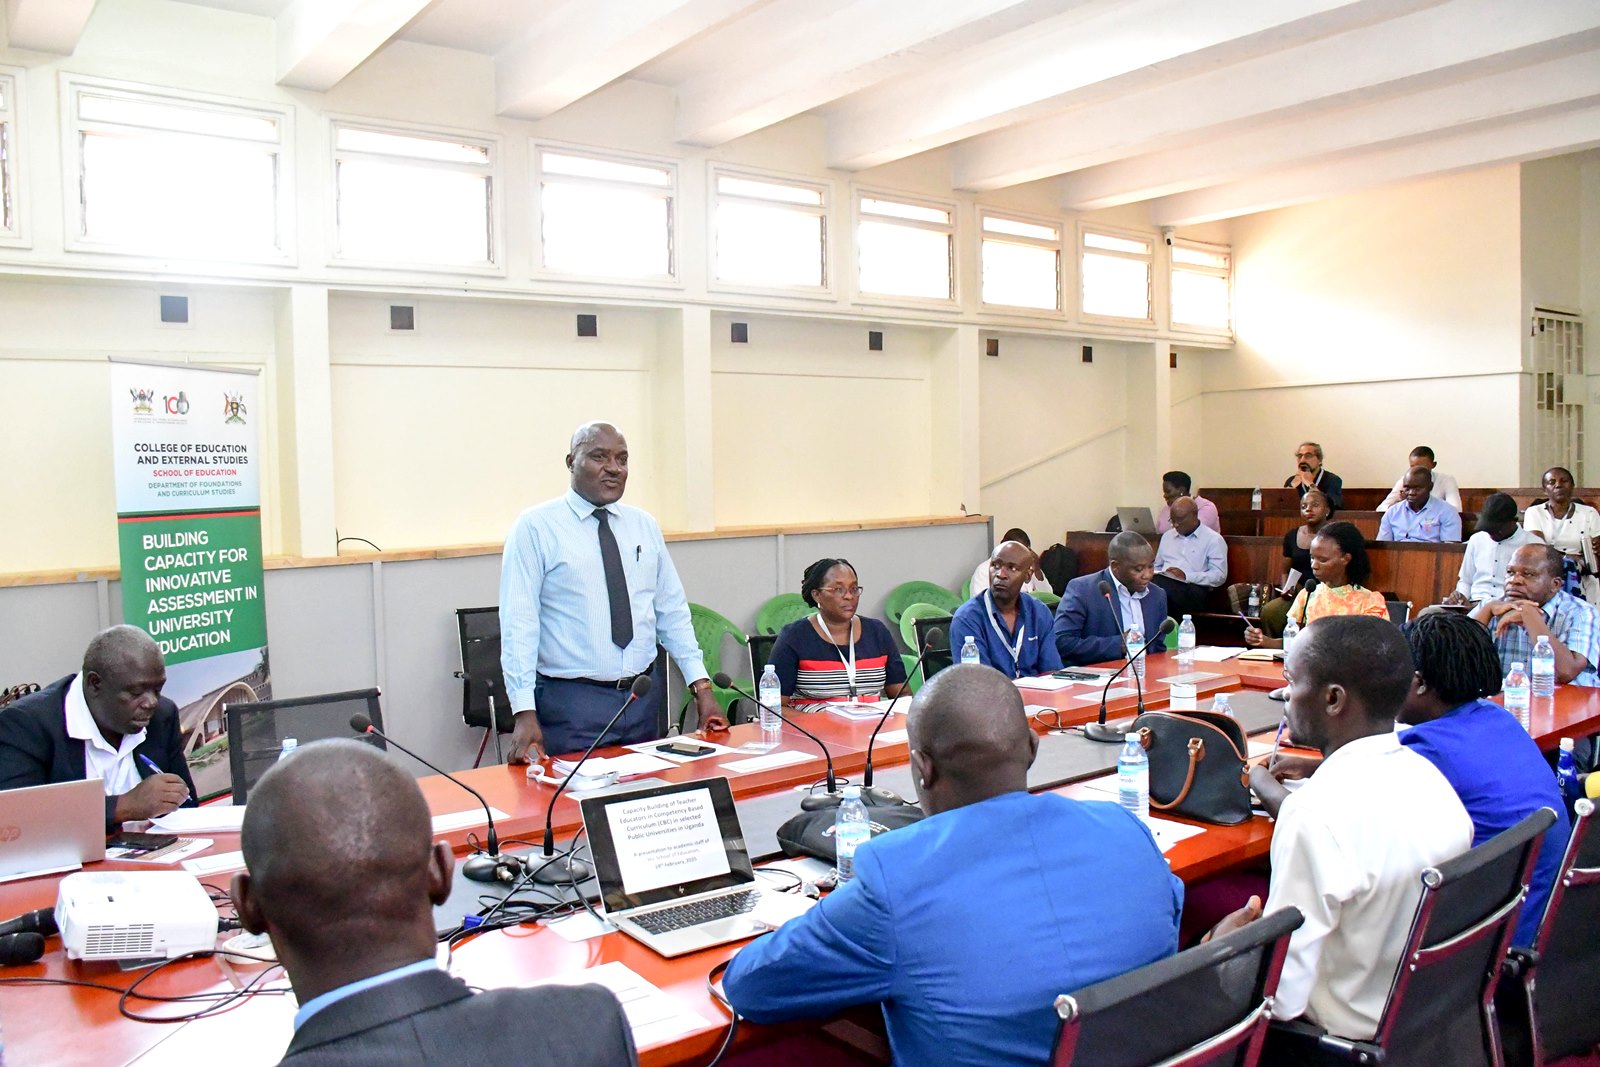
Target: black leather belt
{"points": [[619, 684]]}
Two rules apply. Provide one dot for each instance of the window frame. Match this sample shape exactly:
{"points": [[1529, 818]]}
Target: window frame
{"points": [[828, 289], [1226, 273], [74, 237], [536, 149], [13, 200], [858, 193], [1125, 234], [494, 267], [1060, 247]]}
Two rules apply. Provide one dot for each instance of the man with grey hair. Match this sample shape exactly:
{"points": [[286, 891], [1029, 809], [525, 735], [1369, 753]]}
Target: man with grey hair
{"points": [[1097, 609], [906, 932], [586, 590], [110, 722], [1309, 473], [343, 872]]}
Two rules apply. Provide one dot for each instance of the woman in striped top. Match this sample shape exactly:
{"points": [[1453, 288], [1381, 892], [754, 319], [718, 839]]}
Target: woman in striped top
{"points": [[835, 655]]}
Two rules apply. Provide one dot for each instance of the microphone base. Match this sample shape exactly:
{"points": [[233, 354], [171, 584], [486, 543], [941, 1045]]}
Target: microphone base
{"points": [[1111, 733], [487, 867], [877, 797], [821, 801], [558, 870]]}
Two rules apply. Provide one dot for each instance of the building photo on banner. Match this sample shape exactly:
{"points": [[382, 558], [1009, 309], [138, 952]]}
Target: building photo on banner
{"points": [[189, 531]]}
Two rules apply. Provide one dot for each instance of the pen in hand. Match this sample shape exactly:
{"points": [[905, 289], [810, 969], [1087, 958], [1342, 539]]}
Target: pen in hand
{"points": [[149, 764]]}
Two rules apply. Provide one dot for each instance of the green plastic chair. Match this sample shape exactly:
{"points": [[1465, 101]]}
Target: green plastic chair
{"points": [[709, 630], [909, 617], [1047, 598], [966, 589], [903, 596], [780, 611], [915, 682]]}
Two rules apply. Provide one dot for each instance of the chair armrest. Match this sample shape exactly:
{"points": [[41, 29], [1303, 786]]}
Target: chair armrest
{"points": [[1298, 1041], [1518, 962]]}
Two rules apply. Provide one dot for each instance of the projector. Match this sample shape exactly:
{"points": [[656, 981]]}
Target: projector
{"points": [[134, 915]]}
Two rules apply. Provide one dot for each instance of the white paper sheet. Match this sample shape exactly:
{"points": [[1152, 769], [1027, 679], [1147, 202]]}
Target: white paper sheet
{"points": [[580, 926], [1168, 834], [1047, 683], [890, 737], [222, 861], [653, 1015], [214, 818], [651, 748], [1214, 653], [622, 766], [767, 762], [460, 820]]}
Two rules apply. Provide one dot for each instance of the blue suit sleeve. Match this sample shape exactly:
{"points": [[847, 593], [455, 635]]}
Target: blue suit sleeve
{"points": [[838, 954], [1075, 644]]}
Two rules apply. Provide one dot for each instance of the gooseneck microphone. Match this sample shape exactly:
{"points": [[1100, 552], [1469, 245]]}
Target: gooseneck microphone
{"points": [[485, 865], [811, 801], [889, 796], [558, 870], [41, 922], [1114, 733]]}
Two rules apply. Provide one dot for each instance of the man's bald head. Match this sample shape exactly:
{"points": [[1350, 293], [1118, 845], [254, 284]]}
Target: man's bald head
{"points": [[587, 432], [969, 737]]}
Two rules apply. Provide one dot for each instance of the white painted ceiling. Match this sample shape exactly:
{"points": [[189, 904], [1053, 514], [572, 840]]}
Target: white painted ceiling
{"points": [[1199, 110]]}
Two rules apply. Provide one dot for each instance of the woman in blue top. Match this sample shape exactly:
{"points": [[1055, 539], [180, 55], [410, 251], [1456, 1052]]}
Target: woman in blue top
{"points": [[835, 655]]}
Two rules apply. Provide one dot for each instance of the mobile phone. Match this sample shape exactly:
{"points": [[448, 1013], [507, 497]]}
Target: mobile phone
{"points": [[685, 748], [142, 842]]}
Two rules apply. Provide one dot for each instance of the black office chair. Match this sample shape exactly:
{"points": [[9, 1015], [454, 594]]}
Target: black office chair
{"points": [[1205, 1007], [1546, 1000], [482, 684], [760, 648], [940, 657], [257, 729], [1441, 1007]]}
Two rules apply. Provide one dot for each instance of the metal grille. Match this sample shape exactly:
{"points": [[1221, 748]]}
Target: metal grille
{"points": [[117, 942], [1555, 356]]}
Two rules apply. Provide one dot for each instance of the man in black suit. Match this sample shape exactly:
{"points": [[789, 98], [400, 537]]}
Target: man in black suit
{"points": [[110, 722], [343, 872]]}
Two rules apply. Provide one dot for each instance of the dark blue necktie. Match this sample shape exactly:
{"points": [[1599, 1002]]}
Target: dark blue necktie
{"points": [[616, 584]]}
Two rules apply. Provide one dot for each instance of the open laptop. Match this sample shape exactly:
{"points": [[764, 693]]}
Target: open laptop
{"points": [[1137, 520], [672, 865], [50, 828]]}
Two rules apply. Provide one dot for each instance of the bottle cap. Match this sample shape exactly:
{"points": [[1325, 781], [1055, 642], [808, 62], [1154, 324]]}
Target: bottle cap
{"points": [[1516, 665], [852, 792], [1566, 744]]}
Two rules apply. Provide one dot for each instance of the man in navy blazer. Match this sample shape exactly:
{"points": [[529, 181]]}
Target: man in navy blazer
{"points": [[968, 924], [1089, 625], [109, 722]]}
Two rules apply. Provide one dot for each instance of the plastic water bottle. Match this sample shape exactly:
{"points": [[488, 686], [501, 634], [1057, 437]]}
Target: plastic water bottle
{"points": [[1544, 668], [851, 830], [1567, 771], [770, 694], [1516, 690], [1186, 642], [1291, 630], [1254, 605], [1135, 640], [1133, 778], [289, 745], [1255, 499], [969, 650], [1222, 706]]}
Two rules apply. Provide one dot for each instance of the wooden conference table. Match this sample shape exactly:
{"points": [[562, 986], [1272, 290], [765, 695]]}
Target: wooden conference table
{"points": [[64, 1026]]}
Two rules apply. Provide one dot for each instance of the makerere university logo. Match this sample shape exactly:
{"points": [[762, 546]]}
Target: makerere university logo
{"points": [[233, 407], [143, 401]]}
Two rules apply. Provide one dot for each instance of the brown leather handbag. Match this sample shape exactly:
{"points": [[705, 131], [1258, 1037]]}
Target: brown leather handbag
{"points": [[1197, 765]]}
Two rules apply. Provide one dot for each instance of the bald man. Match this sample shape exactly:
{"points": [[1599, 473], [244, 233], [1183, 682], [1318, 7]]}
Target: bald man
{"points": [[343, 873], [1011, 629], [108, 722], [966, 925], [586, 590], [1191, 560]]}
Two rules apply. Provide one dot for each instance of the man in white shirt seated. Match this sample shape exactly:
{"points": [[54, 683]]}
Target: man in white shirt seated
{"points": [[1191, 560], [1483, 568], [1351, 843], [1421, 516], [1444, 485], [1035, 582]]}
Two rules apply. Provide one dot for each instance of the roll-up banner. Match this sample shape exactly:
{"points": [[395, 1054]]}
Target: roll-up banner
{"points": [[187, 455]]}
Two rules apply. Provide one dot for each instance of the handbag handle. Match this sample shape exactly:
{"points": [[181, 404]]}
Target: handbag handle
{"points": [[1197, 752]]}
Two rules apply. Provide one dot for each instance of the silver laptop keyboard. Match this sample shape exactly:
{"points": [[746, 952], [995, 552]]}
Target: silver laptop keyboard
{"points": [[697, 911]]}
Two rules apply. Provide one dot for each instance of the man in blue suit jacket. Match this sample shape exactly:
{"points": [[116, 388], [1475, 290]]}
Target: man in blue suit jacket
{"points": [[1089, 629], [967, 925]]}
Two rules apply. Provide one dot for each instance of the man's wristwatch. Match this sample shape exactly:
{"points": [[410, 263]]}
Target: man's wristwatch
{"points": [[700, 686]]}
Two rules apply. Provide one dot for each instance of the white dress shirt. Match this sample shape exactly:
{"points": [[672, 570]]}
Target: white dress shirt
{"points": [[1444, 488], [1348, 851], [113, 766], [1202, 556], [1483, 567]]}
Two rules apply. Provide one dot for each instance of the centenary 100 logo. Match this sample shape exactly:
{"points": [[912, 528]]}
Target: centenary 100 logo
{"points": [[233, 407], [143, 401]]}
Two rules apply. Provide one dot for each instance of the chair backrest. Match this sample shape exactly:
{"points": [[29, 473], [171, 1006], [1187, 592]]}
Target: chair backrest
{"points": [[709, 630], [1209, 1005], [904, 595], [780, 611], [1567, 949], [1399, 611], [938, 659], [760, 652], [1440, 1008], [481, 675], [1059, 565], [1048, 599], [257, 730]]}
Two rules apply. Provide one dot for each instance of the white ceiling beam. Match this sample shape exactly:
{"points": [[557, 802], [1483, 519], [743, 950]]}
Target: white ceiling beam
{"points": [[577, 46], [1431, 47], [319, 42], [1495, 144], [47, 25], [1564, 81], [799, 60], [1100, 50]]}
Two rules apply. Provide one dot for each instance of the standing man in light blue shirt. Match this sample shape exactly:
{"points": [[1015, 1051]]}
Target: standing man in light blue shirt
{"points": [[1191, 561], [586, 591], [1420, 516]]}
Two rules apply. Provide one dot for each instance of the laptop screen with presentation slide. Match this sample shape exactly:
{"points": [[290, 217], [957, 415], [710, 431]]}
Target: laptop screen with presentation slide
{"points": [[663, 844], [49, 828], [1136, 520]]}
